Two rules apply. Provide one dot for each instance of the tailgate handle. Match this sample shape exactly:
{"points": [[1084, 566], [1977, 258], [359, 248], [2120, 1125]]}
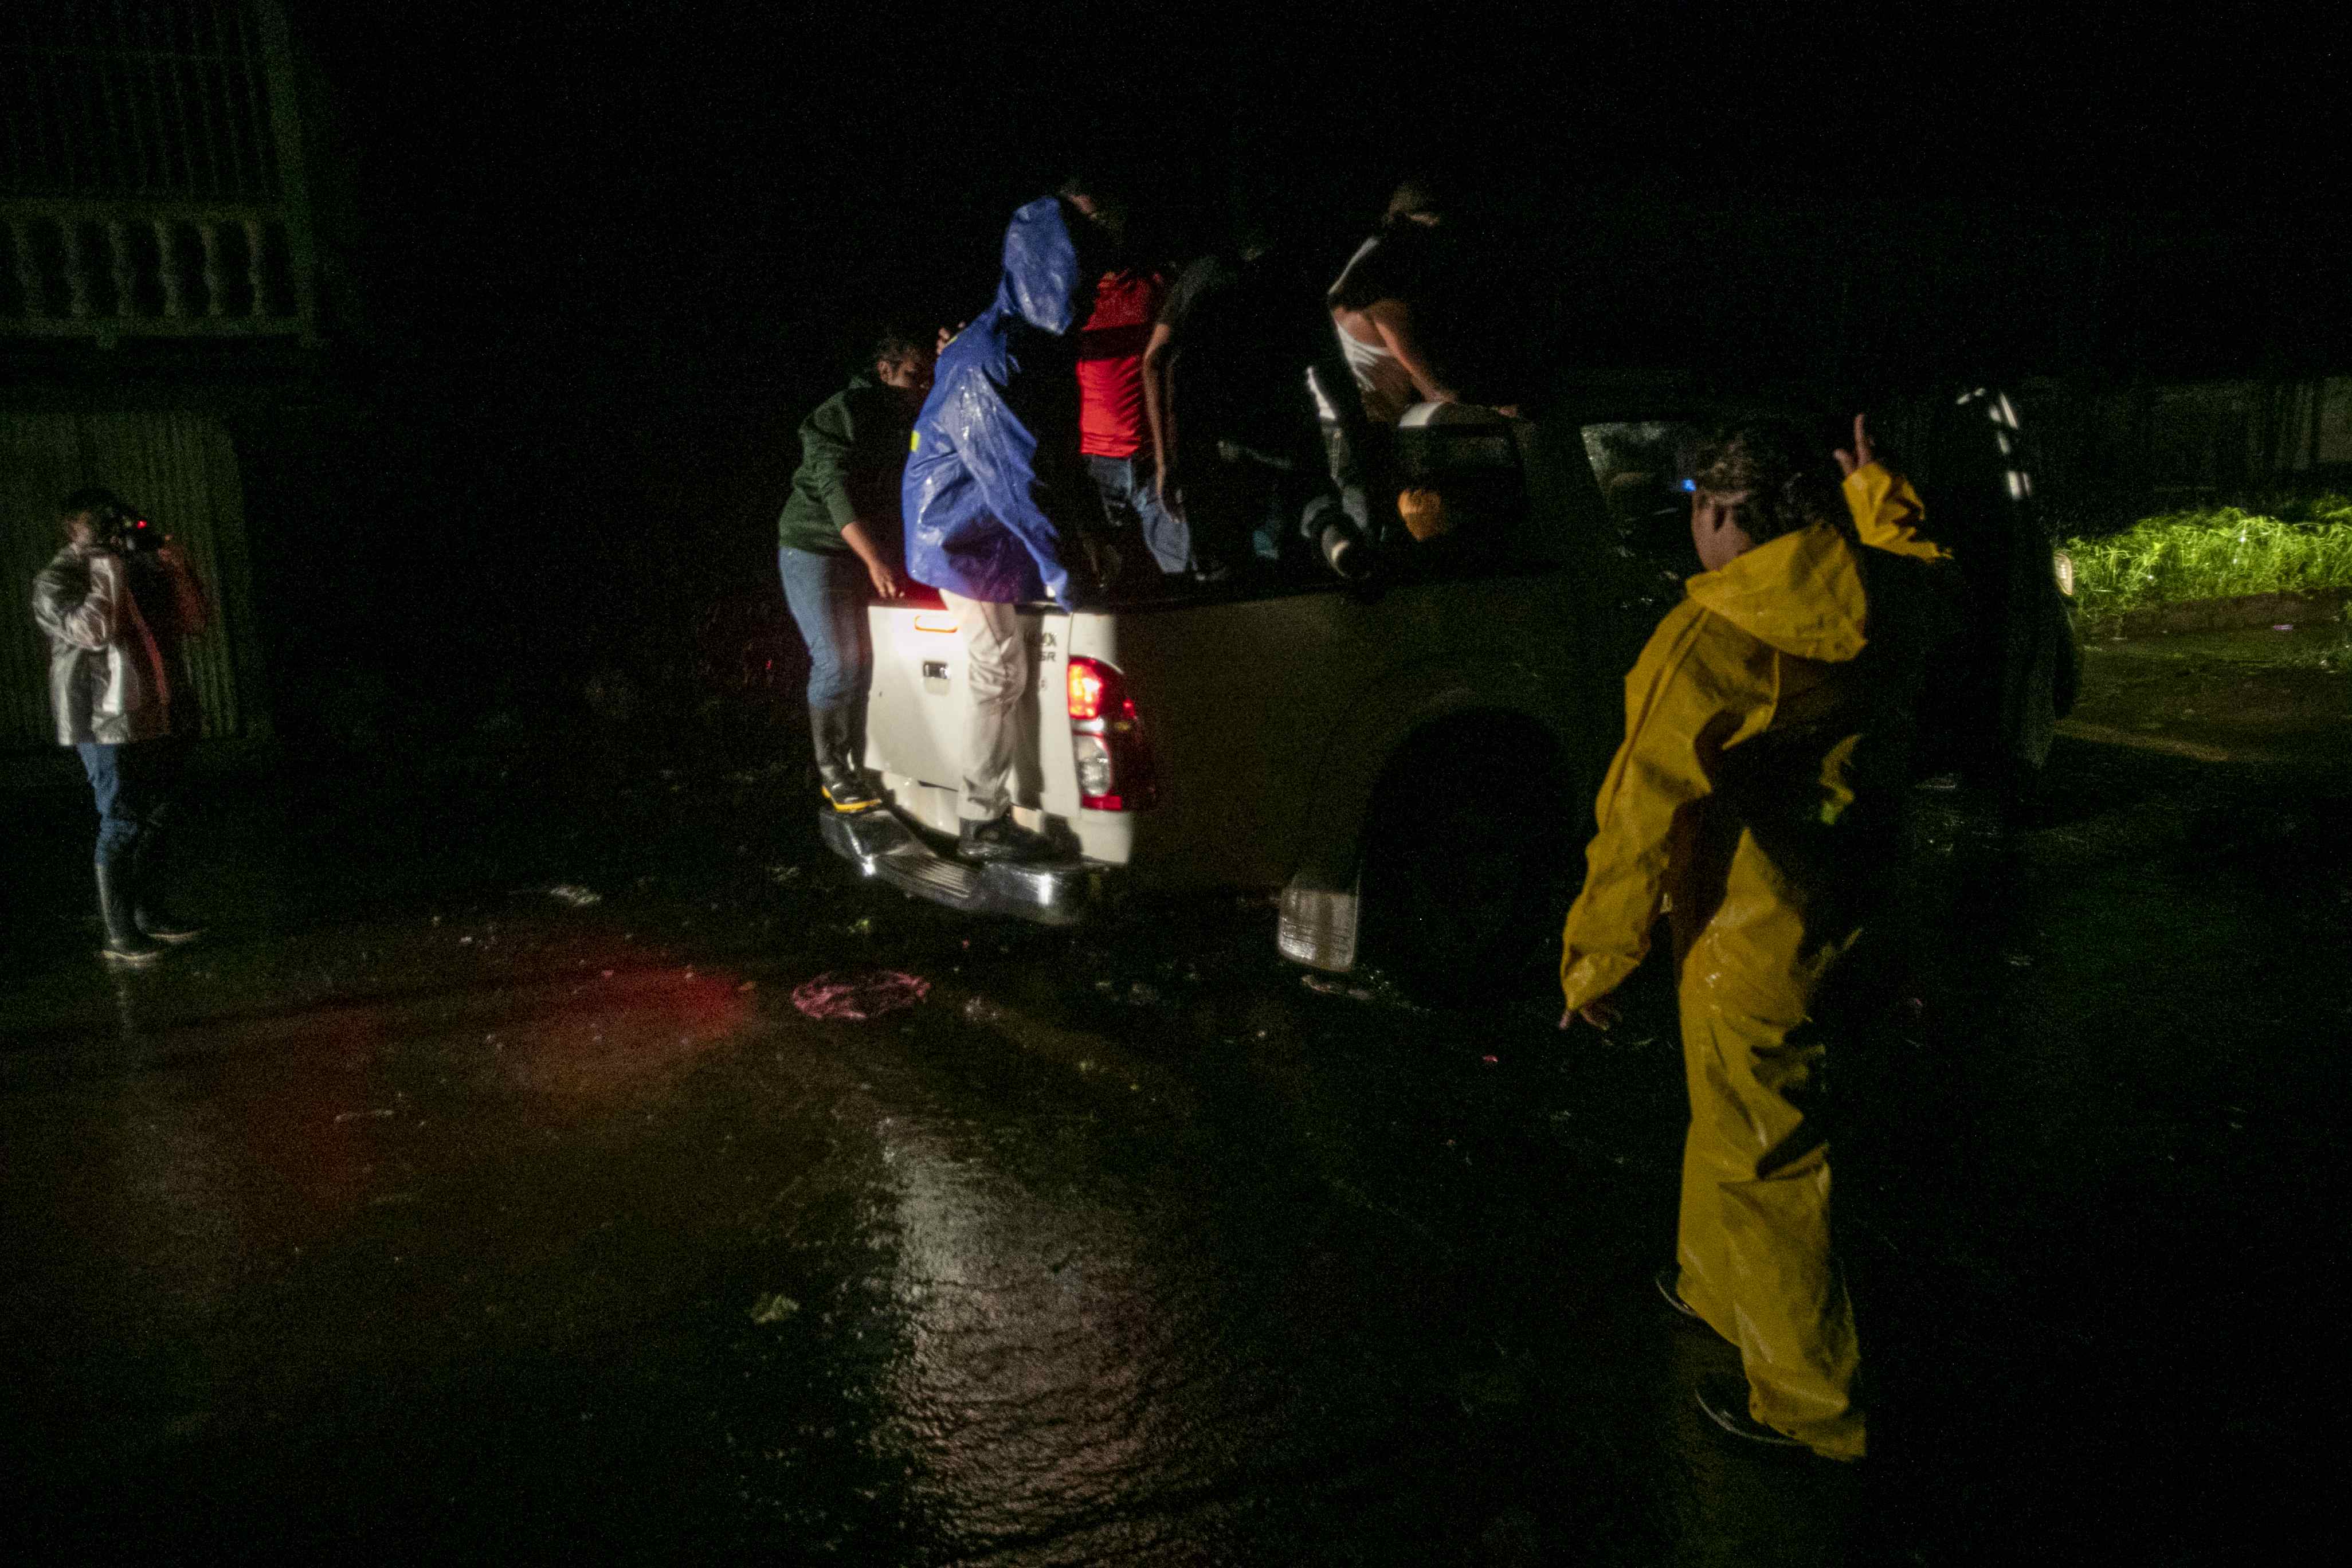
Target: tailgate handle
{"points": [[934, 670]]}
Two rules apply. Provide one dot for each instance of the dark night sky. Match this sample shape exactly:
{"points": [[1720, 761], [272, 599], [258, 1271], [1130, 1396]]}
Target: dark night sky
{"points": [[621, 250], [781, 166]]}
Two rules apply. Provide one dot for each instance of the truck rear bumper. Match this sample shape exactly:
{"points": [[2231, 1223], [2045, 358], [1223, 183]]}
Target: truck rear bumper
{"points": [[881, 845]]}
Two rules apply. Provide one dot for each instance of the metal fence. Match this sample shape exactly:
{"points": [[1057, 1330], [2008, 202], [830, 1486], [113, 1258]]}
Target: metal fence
{"points": [[150, 171], [136, 97]]}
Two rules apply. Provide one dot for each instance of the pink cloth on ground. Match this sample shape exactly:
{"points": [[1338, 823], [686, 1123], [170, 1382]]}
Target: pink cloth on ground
{"points": [[858, 997]]}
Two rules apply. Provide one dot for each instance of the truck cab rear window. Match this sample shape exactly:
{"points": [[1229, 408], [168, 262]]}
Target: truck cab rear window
{"points": [[1643, 468]]}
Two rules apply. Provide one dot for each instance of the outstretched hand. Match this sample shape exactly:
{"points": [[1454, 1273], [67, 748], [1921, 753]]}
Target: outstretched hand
{"points": [[1862, 454]]}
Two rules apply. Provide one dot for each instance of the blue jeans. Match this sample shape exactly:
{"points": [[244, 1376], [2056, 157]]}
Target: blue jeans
{"points": [[134, 787], [1128, 495], [826, 595]]}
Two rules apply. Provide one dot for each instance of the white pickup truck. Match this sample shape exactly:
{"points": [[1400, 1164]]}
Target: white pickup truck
{"points": [[1411, 765]]}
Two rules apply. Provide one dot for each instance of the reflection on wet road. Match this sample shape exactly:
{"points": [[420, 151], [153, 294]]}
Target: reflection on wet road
{"points": [[425, 1212]]}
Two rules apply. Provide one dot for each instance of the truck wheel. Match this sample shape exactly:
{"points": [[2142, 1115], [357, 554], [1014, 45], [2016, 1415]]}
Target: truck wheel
{"points": [[2046, 692], [1464, 858]]}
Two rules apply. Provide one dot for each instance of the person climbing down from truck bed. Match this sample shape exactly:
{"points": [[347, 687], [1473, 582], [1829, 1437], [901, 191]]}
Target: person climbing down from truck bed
{"points": [[1373, 307], [839, 537], [1114, 433], [1383, 306], [1756, 802], [985, 524], [1226, 375]]}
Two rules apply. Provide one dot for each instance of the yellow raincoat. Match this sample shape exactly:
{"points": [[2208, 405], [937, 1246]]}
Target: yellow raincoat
{"points": [[1753, 800]]}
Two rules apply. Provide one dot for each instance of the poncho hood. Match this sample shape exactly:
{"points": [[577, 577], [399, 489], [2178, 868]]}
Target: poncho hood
{"points": [[1041, 268], [1801, 594]]}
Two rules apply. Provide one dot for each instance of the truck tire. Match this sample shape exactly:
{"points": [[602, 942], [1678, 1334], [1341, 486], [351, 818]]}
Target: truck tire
{"points": [[2046, 691], [1463, 860]]}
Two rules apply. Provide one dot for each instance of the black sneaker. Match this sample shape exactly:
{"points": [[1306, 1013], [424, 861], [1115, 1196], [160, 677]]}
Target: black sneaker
{"points": [[1724, 1398], [1002, 839], [164, 928]]}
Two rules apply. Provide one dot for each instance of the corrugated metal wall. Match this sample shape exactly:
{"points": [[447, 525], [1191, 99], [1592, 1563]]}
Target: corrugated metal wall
{"points": [[181, 469]]}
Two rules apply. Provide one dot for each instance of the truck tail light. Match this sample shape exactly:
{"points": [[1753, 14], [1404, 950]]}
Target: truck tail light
{"points": [[1087, 686], [1114, 760]]}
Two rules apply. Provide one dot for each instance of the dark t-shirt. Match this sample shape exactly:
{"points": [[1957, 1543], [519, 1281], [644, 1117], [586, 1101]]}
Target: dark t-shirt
{"points": [[1241, 335], [853, 451], [1399, 263]]}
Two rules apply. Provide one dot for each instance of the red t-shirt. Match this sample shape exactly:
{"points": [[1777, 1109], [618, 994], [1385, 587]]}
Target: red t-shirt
{"points": [[1110, 364]]}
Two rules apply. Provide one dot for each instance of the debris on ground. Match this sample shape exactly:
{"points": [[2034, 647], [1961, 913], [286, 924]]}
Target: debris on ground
{"points": [[573, 893], [857, 997], [783, 875], [773, 1307]]}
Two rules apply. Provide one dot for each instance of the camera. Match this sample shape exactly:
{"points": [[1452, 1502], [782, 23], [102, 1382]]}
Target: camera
{"points": [[127, 532]]}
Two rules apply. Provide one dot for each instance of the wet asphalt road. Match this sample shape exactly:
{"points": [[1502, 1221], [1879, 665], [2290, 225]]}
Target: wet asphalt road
{"points": [[424, 1213]]}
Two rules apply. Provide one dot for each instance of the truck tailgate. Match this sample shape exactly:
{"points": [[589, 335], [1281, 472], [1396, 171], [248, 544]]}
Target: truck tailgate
{"points": [[915, 727]]}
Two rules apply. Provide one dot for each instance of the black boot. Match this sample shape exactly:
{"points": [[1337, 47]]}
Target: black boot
{"points": [[857, 744], [1345, 552], [124, 944], [151, 908], [842, 781], [1002, 839]]}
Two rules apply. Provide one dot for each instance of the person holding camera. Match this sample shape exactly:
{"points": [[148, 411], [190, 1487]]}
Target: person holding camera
{"points": [[116, 602]]}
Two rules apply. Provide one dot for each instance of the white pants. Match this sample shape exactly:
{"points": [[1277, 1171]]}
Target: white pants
{"points": [[996, 679]]}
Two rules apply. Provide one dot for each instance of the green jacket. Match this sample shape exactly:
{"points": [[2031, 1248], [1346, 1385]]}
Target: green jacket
{"points": [[852, 450]]}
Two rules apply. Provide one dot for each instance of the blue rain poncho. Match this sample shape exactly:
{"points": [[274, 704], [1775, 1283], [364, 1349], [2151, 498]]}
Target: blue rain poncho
{"points": [[976, 523]]}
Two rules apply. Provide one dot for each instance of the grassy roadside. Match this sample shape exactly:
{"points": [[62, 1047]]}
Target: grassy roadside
{"points": [[2215, 553]]}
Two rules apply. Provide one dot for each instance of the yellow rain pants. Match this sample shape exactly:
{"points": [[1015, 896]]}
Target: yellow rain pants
{"points": [[1742, 804]]}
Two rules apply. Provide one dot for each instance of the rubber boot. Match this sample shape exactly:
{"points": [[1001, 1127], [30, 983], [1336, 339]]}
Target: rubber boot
{"points": [[151, 908], [838, 775], [1337, 536], [1345, 552], [1002, 839], [856, 755], [124, 943]]}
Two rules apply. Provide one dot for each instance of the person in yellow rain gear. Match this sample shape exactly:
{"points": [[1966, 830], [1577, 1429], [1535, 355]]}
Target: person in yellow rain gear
{"points": [[1756, 802]]}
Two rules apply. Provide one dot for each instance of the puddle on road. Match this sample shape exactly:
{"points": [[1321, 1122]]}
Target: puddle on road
{"points": [[1106, 1250]]}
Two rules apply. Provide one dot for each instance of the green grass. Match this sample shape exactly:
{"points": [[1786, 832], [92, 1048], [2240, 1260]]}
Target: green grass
{"points": [[2215, 553]]}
